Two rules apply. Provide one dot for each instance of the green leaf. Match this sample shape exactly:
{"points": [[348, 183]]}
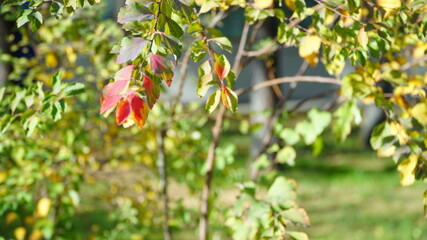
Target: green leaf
{"points": [[319, 119], [297, 216], [198, 51], [380, 132], [345, 115], [2, 90], [286, 155], [281, 190], [16, 99], [173, 28], [36, 20], [224, 43], [297, 235], [307, 131], [213, 101], [23, 17], [73, 89], [5, 122], [57, 83], [289, 135], [205, 77]]}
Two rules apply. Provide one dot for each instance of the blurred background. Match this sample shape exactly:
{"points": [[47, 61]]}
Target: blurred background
{"points": [[83, 177]]}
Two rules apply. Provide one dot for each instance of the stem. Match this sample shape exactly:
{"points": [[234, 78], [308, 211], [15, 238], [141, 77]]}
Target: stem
{"points": [[269, 83], [161, 135], [164, 183], [210, 161], [216, 133]]}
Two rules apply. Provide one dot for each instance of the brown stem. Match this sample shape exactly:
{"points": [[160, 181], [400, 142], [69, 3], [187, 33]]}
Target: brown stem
{"points": [[161, 135], [167, 235], [281, 80], [216, 133], [210, 162]]}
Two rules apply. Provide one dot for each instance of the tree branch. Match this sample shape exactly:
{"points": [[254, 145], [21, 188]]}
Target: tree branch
{"points": [[314, 79], [216, 133]]}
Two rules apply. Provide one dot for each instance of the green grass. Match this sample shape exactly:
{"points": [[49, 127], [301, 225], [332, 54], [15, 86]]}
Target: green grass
{"points": [[351, 194], [348, 192]]}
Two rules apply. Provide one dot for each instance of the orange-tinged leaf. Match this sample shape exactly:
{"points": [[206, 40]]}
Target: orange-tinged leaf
{"points": [[139, 111], [222, 67], [229, 99], [152, 90], [162, 67], [123, 111]]}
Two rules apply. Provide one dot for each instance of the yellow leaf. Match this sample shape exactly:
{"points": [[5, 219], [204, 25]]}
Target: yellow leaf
{"points": [[51, 60], [407, 170], [3, 176], [388, 152], [399, 131], [309, 49], [36, 234], [419, 49], [291, 4], [362, 37], [390, 6], [43, 207], [262, 4], [20, 233], [71, 55], [419, 111]]}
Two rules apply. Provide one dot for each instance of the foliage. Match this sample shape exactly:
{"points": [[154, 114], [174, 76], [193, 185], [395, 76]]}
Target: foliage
{"points": [[384, 41]]}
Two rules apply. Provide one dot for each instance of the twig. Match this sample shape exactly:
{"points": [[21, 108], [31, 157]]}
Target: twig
{"points": [[315, 79], [161, 134], [210, 162], [216, 133], [415, 62]]}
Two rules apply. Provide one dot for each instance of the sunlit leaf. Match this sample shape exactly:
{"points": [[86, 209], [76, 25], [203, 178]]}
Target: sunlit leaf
{"points": [[222, 67], [309, 49], [407, 170], [130, 48]]}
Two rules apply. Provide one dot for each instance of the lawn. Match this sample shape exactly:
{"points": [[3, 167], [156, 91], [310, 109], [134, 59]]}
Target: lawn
{"points": [[347, 191]]}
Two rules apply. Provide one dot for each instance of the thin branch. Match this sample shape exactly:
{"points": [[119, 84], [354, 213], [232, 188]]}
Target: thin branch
{"points": [[167, 235], [413, 63], [314, 79], [241, 49], [269, 48], [161, 135], [210, 162], [216, 133]]}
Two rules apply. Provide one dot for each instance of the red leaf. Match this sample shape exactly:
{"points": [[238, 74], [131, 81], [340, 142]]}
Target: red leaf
{"points": [[139, 111], [111, 94], [222, 67], [152, 91], [123, 112], [162, 67], [124, 73]]}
